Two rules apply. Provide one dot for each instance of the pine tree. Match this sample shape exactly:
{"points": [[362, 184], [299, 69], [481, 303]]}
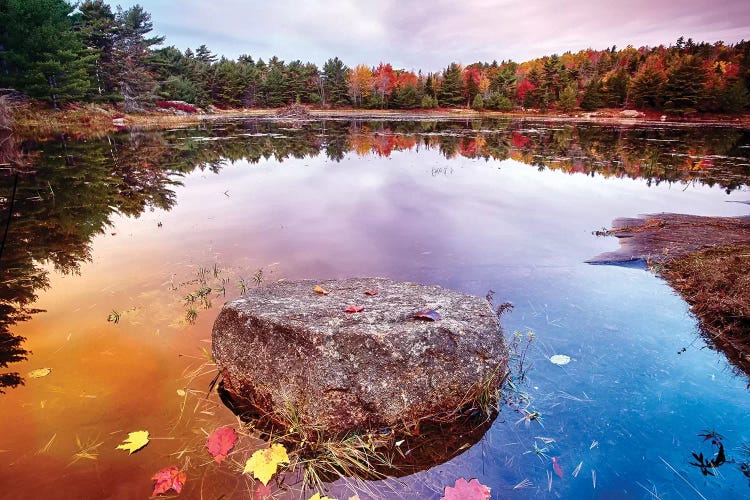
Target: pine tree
{"points": [[131, 50], [96, 25], [43, 56], [685, 85], [568, 98], [451, 89], [646, 87], [592, 96], [334, 82]]}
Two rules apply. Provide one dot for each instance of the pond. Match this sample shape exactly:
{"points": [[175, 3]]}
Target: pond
{"points": [[112, 240]]}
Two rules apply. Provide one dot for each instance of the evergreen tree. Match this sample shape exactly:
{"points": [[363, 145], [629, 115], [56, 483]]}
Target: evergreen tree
{"points": [[568, 98], [478, 103], [96, 25], [406, 97], [685, 85], [334, 82], [43, 56], [616, 88], [592, 96], [451, 89], [735, 98], [646, 87], [132, 51]]}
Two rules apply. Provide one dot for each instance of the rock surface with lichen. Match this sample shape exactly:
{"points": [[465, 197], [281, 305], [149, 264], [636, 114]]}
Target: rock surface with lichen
{"points": [[290, 352]]}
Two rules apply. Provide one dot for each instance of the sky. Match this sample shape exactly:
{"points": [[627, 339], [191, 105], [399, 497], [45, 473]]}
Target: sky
{"points": [[429, 35]]}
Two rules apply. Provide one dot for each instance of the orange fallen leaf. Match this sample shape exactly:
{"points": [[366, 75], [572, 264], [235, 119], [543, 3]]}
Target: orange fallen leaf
{"points": [[320, 290], [354, 309], [220, 442], [169, 478]]}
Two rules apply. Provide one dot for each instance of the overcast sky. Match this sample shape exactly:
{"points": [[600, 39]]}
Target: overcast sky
{"points": [[428, 35]]}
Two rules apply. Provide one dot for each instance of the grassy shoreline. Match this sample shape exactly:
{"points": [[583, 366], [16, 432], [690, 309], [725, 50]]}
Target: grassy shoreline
{"points": [[33, 122]]}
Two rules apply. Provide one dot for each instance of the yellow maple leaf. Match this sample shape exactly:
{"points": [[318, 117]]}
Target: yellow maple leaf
{"points": [[135, 441], [39, 372], [263, 463], [319, 289], [318, 497]]}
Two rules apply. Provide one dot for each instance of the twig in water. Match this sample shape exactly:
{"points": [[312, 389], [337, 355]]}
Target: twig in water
{"points": [[683, 478]]}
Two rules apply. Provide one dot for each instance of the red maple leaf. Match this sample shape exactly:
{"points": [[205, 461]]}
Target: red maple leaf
{"points": [[463, 490], [169, 478], [220, 442], [354, 309], [262, 492]]}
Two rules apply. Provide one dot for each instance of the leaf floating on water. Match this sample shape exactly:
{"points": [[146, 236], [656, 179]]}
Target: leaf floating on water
{"points": [[560, 359], [169, 478], [371, 292], [220, 442], [39, 372], [134, 442], [264, 463], [428, 315], [463, 490], [354, 309], [320, 290]]}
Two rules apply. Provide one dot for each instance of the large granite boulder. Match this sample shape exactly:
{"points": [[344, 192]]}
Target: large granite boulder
{"points": [[296, 354]]}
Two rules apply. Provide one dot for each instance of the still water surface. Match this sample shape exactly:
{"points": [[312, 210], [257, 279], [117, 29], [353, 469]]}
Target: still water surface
{"points": [[125, 226]]}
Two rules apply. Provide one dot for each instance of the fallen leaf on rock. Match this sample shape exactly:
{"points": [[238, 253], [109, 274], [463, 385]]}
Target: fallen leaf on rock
{"points": [[320, 290], [134, 442], [355, 309], [220, 442], [560, 359], [428, 315], [463, 490], [39, 372], [264, 463], [371, 292], [169, 478], [318, 497]]}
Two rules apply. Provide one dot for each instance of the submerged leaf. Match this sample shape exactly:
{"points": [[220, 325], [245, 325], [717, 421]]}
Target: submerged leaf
{"points": [[556, 467], [264, 463], [220, 442], [320, 290], [134, 442], [560, 359], [39, 372], [428, 315], [354, 309], [169, 478], [463, 490]]}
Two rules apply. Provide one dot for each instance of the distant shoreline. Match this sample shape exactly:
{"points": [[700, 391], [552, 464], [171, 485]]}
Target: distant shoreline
{"points": [[92, 121]]}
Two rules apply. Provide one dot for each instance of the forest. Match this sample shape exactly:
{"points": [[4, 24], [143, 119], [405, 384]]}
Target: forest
{"points": [[62, 53]]}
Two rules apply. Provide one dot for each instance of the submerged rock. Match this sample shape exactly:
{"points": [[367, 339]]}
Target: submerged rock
{"points": [[298, 356]]}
